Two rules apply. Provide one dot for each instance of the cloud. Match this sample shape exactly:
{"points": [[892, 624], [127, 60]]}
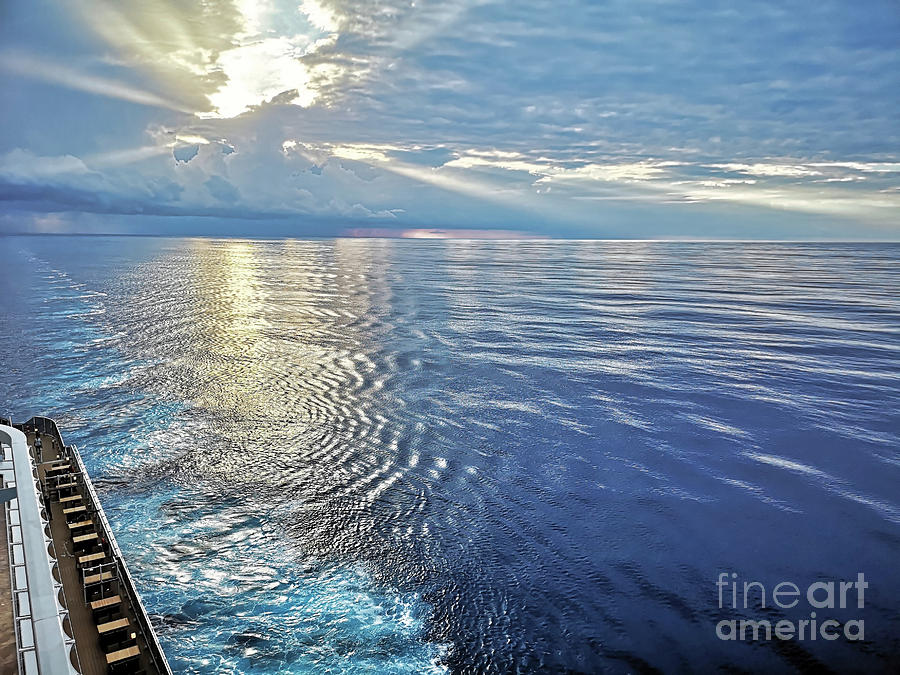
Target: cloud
{"points": [[629, 171], [27, 168], [222, 190], [587, 118], [762, 169]]}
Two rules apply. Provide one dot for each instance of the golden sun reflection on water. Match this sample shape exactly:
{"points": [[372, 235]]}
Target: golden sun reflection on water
{"points": [[228, 299], [280, 349]]}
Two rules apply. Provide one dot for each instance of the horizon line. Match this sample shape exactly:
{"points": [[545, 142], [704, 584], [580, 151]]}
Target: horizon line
{"points": [[685, 240]]}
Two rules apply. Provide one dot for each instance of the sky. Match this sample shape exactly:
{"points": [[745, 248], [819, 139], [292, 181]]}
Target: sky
{"points": [[475, 118]]}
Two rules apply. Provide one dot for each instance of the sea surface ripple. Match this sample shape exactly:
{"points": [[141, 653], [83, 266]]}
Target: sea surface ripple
{"points": [[477, 457]]}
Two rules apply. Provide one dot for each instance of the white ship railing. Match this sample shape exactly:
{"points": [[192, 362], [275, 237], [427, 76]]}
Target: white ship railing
{"points": [[42, 645]]}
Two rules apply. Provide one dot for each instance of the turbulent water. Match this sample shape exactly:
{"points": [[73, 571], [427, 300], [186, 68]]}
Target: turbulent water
{"points": [[403, 457]]}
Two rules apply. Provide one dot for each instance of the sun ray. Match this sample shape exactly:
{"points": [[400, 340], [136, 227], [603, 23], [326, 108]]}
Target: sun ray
{"points": [[56, 73]]}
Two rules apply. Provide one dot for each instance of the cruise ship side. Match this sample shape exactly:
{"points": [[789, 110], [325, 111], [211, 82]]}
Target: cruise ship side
{"points": [[68, 604]]}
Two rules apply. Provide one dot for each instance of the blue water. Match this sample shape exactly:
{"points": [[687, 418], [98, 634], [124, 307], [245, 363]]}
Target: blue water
{"points": [[390, 456]]}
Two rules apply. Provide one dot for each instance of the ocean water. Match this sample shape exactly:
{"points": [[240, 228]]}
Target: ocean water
{"points": [[390, 456]]}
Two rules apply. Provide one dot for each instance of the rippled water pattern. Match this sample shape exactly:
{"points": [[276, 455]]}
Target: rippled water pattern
{"points": [[403, 457]]}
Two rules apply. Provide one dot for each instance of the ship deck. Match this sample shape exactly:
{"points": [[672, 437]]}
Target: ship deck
{"points": [[92, 647]]}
